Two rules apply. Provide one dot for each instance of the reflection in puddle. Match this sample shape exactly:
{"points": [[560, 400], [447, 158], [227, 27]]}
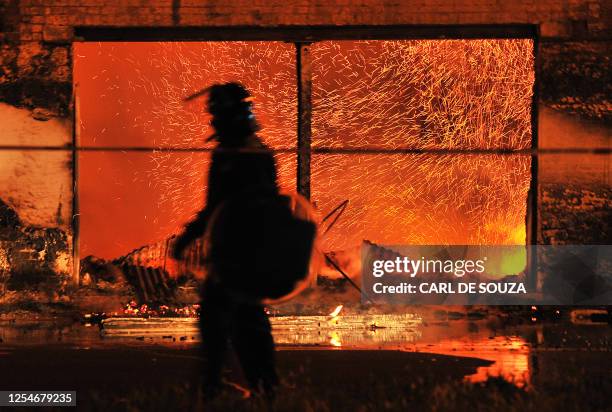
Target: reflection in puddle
{"points": [[510, 355], [407, 332], [349, 331], [514, 352]]}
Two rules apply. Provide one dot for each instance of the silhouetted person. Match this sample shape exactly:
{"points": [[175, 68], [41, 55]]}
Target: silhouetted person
{"points": [[242, 169]]}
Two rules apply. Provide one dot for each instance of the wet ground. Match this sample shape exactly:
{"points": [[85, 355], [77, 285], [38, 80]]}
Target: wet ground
{"points": [[40, 354]]}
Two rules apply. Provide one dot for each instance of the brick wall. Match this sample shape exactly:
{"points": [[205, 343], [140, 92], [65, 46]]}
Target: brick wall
{"points": [[36, 34]]}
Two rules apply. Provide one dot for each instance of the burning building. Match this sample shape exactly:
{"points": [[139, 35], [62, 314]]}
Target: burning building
{"points": [[428, 129]]}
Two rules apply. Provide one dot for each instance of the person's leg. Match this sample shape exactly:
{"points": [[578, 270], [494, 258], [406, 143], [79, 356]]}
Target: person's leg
{"points": [[215, 330], [252, 340]]}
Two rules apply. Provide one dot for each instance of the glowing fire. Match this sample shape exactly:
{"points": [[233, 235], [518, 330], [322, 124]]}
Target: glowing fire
{"points": [[336, 311], [425, 94], [452, 94], [510, 354], [135, 309], [334, 339]]}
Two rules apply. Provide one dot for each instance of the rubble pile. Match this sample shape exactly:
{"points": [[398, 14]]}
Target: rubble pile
{"points": [[32, 258]]}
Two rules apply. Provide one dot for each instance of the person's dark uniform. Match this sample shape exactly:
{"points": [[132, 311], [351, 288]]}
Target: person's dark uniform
{"points": [[242, 167]]}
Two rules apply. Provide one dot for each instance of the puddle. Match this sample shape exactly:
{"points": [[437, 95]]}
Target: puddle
{"points": [[510, 355], [513, 351]]}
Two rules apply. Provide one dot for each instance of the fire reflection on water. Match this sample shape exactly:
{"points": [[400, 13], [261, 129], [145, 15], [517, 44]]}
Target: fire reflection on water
{"points": [[510, 355], [349, 331]]}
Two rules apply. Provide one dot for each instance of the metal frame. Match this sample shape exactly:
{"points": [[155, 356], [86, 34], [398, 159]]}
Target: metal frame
{"points": [[532, 218], [76, 212], [304, 109], [305, 34], [302, 37]]}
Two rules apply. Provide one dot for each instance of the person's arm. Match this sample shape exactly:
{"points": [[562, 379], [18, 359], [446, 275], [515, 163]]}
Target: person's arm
{"points": [[192, 231], [197, 227]]}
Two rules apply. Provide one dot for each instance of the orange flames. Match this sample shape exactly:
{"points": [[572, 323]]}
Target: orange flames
{"points": [[334, 337], [424, 94], [336, 311], [428, 95]]}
